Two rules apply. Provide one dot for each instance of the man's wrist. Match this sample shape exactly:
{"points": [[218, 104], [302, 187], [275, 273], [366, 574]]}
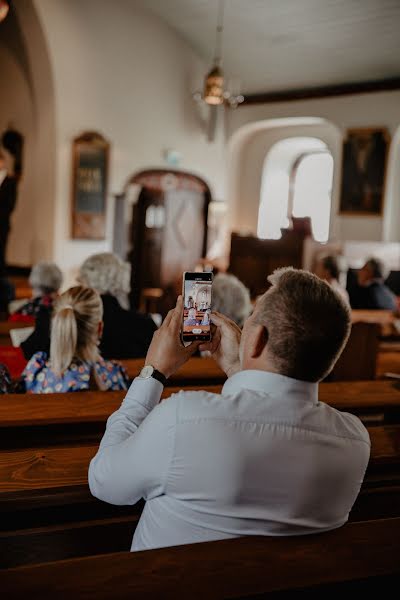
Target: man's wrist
{"points": [[150, 371]]}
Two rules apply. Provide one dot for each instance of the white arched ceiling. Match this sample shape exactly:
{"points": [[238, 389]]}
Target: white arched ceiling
{"points": [[247, 150]]}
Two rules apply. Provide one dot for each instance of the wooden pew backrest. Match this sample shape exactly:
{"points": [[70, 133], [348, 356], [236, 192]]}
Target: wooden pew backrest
{"points": [[237, 568]]}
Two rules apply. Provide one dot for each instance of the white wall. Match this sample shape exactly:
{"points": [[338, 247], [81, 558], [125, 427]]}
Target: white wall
{"points": [[124, 73], [364, 110]]}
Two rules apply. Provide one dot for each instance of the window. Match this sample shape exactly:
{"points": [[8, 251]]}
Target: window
{"points": [[312, 187], [297, 181]]}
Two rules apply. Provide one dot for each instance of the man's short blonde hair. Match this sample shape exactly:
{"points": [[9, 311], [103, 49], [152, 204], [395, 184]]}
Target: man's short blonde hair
{"points": [[308, 324]]}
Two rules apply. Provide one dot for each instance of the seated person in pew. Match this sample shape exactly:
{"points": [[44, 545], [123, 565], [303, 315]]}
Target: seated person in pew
{"points": [[264, 457], [192, 318], [127, 333], [75, 363], [45, 279], [231, 298], [327, 268], [371, 293]]}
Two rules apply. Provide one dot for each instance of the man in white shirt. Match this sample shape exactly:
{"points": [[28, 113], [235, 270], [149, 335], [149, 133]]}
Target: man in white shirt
{"points": [[264, 457]]}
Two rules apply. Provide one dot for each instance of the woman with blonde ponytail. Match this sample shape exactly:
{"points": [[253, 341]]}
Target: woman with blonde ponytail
{"points": [[75, 363]]}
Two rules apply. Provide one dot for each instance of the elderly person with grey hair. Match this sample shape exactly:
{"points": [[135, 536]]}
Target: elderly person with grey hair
{"points": [[126, 333], [45, 280], [231, 298]]}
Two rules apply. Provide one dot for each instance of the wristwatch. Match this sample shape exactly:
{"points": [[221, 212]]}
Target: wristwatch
{"points": [[149, 371]]}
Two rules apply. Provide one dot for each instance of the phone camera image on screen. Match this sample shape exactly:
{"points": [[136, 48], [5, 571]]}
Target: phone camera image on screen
{"points": [[196, 306]]}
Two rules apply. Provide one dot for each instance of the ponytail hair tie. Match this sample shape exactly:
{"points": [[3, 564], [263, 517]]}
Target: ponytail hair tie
{"points": [[68, 306]]}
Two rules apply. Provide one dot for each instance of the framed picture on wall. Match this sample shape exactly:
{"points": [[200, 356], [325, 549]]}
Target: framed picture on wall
{"points": [[363, 171], [90, 152]]}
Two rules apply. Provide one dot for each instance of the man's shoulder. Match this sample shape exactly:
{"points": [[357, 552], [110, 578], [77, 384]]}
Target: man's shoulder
{"points": [[193, 404], [344, 425]]}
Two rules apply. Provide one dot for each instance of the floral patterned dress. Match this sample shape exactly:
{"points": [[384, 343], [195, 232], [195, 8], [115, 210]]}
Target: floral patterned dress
{"points": [[40, 379]]}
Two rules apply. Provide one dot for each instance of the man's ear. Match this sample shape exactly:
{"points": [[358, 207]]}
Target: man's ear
{"points": [[259, 341]]}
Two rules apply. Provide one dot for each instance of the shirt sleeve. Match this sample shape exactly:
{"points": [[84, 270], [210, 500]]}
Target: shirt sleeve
{"points": [[136, 450]]}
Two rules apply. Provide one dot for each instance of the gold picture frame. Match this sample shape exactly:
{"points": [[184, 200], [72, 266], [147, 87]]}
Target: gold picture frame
{"points": [[90, 157], [364, 161]]}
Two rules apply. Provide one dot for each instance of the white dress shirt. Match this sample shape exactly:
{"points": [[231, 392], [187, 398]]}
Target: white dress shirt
{"points": [[263, 458]]}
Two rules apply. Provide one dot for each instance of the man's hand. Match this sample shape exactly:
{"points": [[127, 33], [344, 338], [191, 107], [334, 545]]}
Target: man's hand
{"points": [[224, 346], [166, 352]]}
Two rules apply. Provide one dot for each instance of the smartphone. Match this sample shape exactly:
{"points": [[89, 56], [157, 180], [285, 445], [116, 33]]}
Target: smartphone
{"points": [[196, 318]]}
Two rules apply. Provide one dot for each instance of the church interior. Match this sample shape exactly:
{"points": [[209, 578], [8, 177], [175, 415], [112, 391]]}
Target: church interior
{"points": [[142, 140]]}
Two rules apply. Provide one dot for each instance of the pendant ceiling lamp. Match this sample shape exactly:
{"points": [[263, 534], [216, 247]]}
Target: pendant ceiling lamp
{"points": [[214, 92], [4, 8]]}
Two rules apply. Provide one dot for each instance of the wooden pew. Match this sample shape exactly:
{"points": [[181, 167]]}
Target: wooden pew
{"points": [[29, 420], [67, 540], [195, 372], [45, 486], [385, 318], [358, 359], [63, 467], [355, 558], [388, 362]]}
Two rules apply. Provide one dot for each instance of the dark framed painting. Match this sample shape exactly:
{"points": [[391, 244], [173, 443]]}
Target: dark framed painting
{"points": [[90, 154], [364, 162]]}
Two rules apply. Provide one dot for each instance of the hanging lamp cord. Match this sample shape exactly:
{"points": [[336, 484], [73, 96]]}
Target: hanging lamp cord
{"points": [[220, 28]]}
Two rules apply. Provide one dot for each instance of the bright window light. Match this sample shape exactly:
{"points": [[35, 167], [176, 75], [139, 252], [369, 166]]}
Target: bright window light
{"points": [[296, 181], [273, 213], [312, 192]]}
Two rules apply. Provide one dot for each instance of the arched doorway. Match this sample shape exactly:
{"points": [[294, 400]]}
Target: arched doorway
{"points": [[168, 231]]}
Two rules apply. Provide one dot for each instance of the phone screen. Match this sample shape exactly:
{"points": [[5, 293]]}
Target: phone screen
{"points": [[196, 323]]}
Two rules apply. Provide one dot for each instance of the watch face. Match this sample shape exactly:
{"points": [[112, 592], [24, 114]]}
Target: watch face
{"points": [[147, 372]]}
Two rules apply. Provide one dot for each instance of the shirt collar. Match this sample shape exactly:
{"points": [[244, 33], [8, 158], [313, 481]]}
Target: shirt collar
{"points": [[271, 384]]}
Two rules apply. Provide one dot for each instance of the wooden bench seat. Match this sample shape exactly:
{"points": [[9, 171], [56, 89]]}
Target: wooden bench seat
{"points": [[357, 557], [62, 467], [44, 493], [32, 480], [384, 318], [388, 362], [27, 420], [196, 371], [67, 540], [113, 532]]}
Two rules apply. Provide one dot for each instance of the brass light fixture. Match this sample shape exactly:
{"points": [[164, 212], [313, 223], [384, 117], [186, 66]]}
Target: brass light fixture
{"points": [[4, 8], [214, 93]]}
